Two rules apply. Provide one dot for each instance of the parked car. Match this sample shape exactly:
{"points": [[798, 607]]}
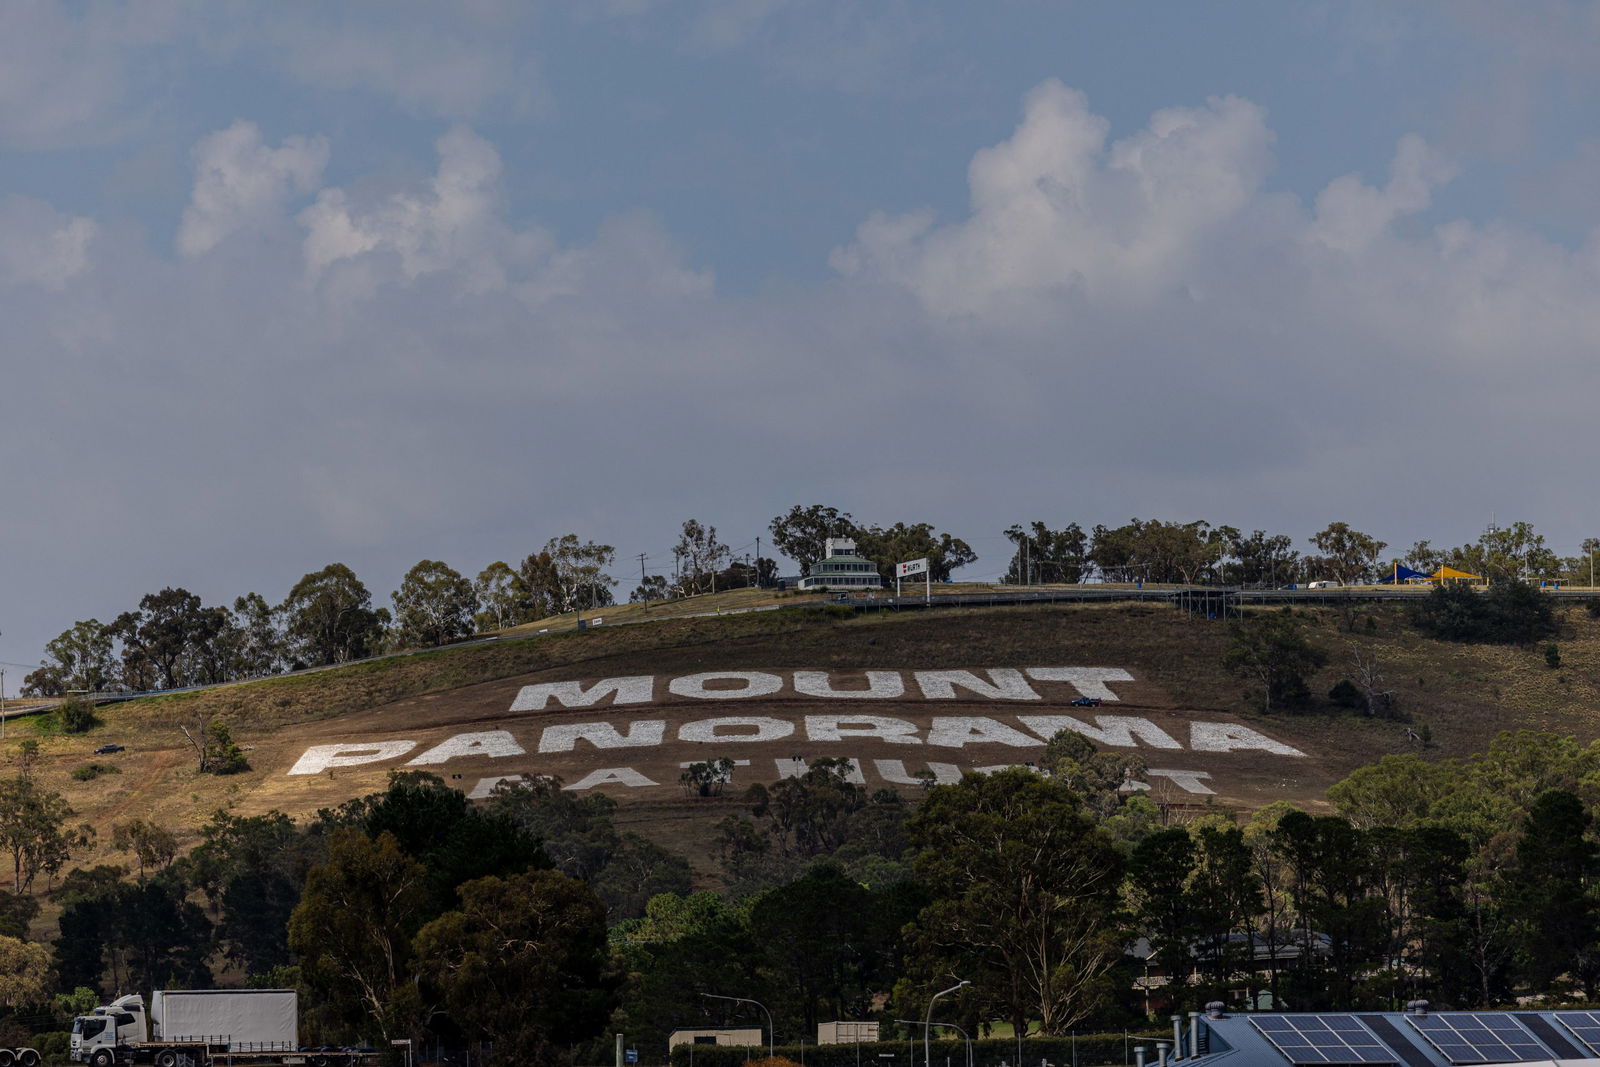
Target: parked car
{"points": [[1086, 702], [106, 750]]}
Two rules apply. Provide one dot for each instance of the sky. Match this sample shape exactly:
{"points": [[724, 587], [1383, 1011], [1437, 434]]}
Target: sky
{"points": [[283, 285]]}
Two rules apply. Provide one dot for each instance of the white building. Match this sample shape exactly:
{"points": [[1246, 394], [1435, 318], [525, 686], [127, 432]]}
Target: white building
{"points": [[842, 569], [846, 1032], [741, 1038]]}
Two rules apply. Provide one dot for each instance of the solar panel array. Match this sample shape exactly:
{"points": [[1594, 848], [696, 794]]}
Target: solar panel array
{"points": [[1585, 1026], [1313, 1039], [1478, 1037]]}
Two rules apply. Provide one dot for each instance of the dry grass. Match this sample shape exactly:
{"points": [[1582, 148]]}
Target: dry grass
{"points": [[1465, 693]]}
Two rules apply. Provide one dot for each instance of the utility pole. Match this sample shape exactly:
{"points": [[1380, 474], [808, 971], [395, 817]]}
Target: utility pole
{"points": [[758, 562], [642, 584]]}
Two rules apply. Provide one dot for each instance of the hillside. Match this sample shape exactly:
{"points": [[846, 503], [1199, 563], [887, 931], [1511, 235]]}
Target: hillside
{"points": [[798, 686]]}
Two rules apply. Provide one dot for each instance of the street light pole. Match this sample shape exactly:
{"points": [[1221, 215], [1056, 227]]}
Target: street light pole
{"points": [[771, 1030], [927, 1044], [951, 1026]]}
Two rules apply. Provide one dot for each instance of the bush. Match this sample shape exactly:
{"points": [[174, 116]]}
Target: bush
{"points": [[223, 754], [1273, 651], [1509, 613], [76, 715], [90, 771], [1552, 656], [1346, 695], [53, 1046]]}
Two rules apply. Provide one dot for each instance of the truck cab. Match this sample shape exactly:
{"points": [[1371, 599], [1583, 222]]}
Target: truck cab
{"points": [[120, 1024]]}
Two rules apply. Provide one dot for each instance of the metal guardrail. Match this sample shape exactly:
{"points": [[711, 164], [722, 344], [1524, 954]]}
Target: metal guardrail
{"points": [[1176, 595]]}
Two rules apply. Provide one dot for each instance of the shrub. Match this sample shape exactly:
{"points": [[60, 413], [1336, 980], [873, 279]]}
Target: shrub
{"points": [[53, 1046], [1552, 656], [224, 756], [1273, 651], [90, 771], [76, 715], [1509, 613], [1346, 695]]}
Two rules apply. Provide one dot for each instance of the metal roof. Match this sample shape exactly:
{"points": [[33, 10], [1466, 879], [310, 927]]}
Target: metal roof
{"points": [[1414, 1038]]}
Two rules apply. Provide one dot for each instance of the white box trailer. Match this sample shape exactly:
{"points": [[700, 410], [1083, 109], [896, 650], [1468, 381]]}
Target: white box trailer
{"points": [[202, 1028], [247, 1020]]}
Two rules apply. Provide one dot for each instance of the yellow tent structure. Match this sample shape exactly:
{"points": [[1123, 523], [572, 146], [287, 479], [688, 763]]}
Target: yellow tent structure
{"points": [[1450, 574]]}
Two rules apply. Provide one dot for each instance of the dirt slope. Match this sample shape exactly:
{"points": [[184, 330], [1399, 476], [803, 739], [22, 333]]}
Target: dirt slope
{"points": [[463, 714]]}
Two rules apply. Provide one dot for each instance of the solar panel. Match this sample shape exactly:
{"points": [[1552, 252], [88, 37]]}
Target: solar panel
{"points": [[1315, 1039], [1478, 1037], [1561, 1044], [1585, 1026]]}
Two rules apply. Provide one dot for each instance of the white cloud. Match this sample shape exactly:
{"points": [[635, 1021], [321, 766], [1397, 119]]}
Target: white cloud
{"points": [[1054, 211], [70, 74], [450, 61], [1350, 215], [1117, 325], [632, 255], [453, 225], [40, 245], [240, 183]]}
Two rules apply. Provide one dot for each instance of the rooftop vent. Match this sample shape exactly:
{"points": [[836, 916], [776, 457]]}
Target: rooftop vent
{"points": [[1417, 1007], [1216, 1009]]}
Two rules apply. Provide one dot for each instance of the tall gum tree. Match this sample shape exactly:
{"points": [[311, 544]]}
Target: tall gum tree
{"points": [[1024, 887]]}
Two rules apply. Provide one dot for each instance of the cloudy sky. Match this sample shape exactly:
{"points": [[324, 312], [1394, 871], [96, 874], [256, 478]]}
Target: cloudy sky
{"points": [[284, 284]]}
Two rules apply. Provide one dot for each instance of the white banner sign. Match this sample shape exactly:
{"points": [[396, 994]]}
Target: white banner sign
{"points": [[916, 566]]}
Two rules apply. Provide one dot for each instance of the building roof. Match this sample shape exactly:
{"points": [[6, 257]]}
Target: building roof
{"points": [[842, 559], [1417, 1038]]}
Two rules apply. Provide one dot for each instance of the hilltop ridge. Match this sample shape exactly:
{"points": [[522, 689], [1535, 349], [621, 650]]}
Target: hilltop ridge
{"points": [[746, 687]]}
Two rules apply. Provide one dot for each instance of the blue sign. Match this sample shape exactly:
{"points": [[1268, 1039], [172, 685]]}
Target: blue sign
{"points": [[630, 1055]]}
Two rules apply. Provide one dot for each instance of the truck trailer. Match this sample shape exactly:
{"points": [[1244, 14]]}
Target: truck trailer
{"points": [[20, 1057], [203, 1028]]}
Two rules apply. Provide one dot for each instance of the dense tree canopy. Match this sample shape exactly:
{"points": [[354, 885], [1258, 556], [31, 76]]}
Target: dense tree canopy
{"points": [[1273, 651], [416, 912], [524, 963], [801, 532], [330, 618], [1347, 555], [1024, 890], [433, 605]]}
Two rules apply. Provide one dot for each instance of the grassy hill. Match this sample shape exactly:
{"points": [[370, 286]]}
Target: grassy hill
{"points": [[1465, 694]]}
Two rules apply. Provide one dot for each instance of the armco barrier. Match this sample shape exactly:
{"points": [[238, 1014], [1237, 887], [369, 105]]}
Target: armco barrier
{"points": [[1086, 1050]]}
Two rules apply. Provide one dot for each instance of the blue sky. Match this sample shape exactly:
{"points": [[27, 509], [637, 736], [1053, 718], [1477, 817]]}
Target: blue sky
{"points": [[288, 284]]}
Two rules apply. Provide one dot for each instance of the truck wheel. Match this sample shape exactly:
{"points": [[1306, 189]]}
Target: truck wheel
{"points": [[102, 1058], [28, 1057], [7, 1057], [166, 1058]]}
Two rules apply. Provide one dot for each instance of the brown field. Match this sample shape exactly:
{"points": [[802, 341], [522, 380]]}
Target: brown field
{"points": [[1465, 694]]}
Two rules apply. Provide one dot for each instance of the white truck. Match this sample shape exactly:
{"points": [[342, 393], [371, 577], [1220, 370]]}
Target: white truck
{"points": [[203, 1028]]}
